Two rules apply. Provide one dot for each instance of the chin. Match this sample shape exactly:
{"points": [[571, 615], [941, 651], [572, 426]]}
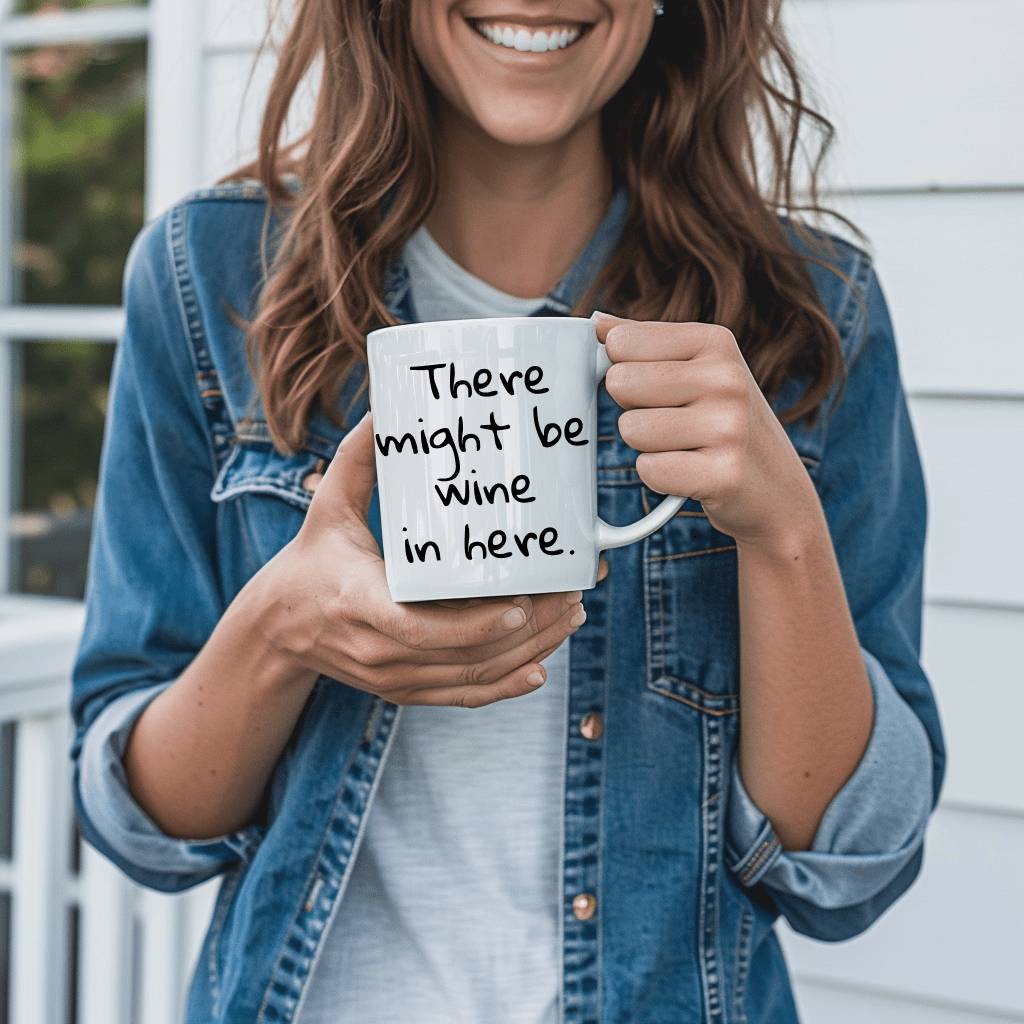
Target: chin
{"points": [[521, 126]]}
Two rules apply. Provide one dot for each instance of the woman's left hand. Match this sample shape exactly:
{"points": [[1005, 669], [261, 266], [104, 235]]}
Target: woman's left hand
{"points": [[705, 430]]}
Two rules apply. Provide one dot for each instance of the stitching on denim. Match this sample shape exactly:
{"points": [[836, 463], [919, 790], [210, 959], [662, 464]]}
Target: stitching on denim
{"points": [[744, 934], [766, 849], [316, 870], [224, 898], [747, 872], [715, 712], [708, 926], [219, 426], [692, 554], [691, 515]]}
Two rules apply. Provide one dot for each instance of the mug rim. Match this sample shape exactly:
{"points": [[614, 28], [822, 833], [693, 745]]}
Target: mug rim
{"points": [[480, 320]]}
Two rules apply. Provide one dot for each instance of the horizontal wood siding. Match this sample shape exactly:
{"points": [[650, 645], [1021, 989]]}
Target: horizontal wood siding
{"points": [[928, 96]]}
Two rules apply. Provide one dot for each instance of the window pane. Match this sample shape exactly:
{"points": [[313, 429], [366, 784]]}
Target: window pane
{"points": [[5, 956], [73, 957], [79, 173], [61, 401], [8, 739], [49, 6]]}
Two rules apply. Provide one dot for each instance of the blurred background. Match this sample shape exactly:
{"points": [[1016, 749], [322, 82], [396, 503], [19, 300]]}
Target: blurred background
{"points": [[109, 112]]}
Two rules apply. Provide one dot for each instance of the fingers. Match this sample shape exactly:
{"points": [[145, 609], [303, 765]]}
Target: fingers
{"points": [[516, 684], [490, 666], [700, 474], [466, 633], [651, 341], [686, 429], [650, 385], [429, 626]]}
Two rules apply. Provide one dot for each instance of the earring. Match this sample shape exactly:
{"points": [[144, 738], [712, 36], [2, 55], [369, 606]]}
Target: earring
{"points": [[659, 8]]}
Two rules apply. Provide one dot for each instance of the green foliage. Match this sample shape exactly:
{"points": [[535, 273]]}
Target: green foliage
{"points": [[63, 399], [79, 173], [33, 6], [82, 157]]}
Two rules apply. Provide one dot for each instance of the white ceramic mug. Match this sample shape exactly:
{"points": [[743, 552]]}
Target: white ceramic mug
{"points": [[486, 440]]}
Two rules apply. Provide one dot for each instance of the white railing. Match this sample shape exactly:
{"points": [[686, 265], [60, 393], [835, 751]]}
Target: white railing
{"points": [[86, 945]]}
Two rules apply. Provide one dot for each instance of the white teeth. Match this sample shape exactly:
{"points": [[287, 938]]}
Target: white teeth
{"points": [[526, 41]]}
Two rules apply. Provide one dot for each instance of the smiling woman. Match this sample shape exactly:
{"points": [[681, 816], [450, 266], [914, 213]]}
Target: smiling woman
{"points": [[538, 809]]}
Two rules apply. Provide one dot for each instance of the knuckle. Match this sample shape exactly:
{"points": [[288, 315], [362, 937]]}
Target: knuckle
{"points": [[368, 651], [473, 675], [733, 427], [720, 337], [411, 631]]}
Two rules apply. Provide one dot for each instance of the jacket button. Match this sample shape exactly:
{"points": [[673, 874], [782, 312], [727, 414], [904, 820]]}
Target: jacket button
{"points": [[592, 726], [312, 480], [584, 906]]}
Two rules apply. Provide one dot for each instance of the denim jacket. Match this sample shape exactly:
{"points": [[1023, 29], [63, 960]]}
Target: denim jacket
{"points": [[687, 876]]}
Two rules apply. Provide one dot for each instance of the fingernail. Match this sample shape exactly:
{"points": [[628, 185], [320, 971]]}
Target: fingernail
{"points": [[578, 619], [521, 600], [597, 314], [513, 618], [536, 678], [574, 598]]}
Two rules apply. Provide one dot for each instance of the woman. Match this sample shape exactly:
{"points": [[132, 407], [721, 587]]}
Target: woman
{"points": [[610, 845]]}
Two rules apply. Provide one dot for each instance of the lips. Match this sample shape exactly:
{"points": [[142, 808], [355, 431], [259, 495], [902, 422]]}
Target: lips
{"points": [[526, 40]]}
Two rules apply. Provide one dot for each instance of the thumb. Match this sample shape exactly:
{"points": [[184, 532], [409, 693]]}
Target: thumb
{"points": [[348, 483]]}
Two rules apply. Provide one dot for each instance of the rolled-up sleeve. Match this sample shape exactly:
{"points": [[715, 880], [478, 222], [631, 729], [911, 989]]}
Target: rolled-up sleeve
{"points": [[155, 593], [869, 833], [123, 826]]}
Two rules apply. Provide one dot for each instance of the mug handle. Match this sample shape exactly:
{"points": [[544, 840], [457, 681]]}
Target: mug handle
{"points": [[607, 536]]}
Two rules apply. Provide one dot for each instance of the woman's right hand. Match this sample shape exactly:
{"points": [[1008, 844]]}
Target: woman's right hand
{"points": [[200, 755], [324, 603]]}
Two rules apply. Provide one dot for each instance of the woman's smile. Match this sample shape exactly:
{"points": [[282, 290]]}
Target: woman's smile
{"points": [[514, 35], [529, 72]]}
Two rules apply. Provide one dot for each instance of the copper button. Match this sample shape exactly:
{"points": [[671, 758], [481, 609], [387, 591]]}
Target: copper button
{"points": [[592, 726], [312, 481], [584, 906]]}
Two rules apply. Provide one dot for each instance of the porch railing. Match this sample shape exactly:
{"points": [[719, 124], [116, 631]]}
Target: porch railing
{"points": [[79, 943]]}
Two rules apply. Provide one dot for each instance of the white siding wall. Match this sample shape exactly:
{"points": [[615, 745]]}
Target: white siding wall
{"points": [[928, 96]]}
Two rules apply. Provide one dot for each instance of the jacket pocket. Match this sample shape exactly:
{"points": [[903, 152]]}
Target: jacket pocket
{"points": [[263, 500], [691, 611]]}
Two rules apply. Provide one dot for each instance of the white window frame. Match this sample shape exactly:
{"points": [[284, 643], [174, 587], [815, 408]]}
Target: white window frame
{"points": [[174, 32], [117, 982]]}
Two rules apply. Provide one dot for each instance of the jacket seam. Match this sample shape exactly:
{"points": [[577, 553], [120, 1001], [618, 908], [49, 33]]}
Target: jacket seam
{"points": [[714, 712], [692, 554], [210, 394]]}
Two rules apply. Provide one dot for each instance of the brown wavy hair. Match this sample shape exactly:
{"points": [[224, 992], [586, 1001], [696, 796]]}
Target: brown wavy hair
{"points": [[703, 239]]}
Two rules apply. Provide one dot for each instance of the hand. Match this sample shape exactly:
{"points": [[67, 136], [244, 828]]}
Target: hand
{"points": [[329, 607], [705, 428]]}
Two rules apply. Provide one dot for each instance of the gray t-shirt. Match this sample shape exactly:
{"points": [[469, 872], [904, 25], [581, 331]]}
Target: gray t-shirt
{"points": [[451, 913]]}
